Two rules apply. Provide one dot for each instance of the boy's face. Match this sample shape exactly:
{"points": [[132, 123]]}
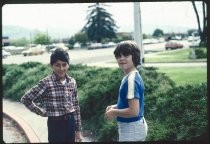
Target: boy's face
{"points": [[125, 63], [60, 68]]}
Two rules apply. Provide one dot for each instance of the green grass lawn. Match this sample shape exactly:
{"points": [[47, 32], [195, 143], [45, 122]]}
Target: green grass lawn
{"points": [[180, 75], [178, 55], [185, 75]]}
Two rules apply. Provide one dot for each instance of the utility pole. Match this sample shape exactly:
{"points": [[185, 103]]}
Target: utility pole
{"points": [[30, 40], [137, 29]]}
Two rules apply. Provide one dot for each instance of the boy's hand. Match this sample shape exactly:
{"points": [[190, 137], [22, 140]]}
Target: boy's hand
{"points": [[107, 108], [109, 115]]}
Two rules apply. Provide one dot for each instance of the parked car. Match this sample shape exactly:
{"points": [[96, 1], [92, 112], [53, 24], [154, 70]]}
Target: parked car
{"points": [[5, 54], [49, 47], [13, 49], [64, 48], [193, 38], [59, 45], [77, 45], [172, 44], [109, 44], [147, 41], [94, 46], [33, 51], [195, 43]]}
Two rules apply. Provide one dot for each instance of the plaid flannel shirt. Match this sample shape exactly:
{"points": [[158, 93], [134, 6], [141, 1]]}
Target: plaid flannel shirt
{"points": [[57, 99]]}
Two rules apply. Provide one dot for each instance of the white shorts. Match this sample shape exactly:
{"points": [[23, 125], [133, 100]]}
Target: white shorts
{"points": [[133, 131]]}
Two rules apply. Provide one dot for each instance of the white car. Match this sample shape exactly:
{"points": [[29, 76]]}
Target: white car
{"points": [[193, 38], [33, 51], [109, 44], [59, 45], [94, 46], [147, 41], [195, 43], [5, 54]]}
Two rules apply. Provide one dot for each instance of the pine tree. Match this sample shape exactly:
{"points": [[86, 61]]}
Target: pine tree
{"points": [[99, 24]]}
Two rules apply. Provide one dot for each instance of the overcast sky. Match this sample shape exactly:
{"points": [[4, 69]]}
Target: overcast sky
{"points": [[72, 16]]}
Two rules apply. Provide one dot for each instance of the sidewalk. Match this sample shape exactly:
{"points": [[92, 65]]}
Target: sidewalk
{"points": [[34, 125], [176, 64]]}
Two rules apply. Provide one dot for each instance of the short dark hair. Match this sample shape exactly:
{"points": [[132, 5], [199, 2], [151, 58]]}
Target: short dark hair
{"points": [[128, 48], [59, 54]]}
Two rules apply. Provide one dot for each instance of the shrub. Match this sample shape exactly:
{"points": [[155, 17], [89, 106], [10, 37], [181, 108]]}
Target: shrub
{"points": [[172, 113], [200, 53], [20, 78], [156, 130], [103, 91], [183, 111], [10, 78], [28, 65]]}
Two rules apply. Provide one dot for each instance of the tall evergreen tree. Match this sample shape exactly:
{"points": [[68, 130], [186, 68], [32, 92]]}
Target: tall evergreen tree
{"points": [[99, 24]]}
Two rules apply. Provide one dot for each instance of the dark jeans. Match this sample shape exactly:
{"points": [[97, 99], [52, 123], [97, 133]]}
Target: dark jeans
{"points": [[61, 131]]}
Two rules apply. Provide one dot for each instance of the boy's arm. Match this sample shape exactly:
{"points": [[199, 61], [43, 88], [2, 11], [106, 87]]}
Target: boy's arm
{"points": [[31, 95]]}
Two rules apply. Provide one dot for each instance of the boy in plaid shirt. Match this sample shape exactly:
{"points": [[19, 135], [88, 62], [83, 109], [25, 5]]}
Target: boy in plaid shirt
{"points": [[58, 93]]}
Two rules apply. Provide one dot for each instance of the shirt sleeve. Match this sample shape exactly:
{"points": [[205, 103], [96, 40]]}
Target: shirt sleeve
{"points": [[133, 87], [32, 94], [77, 109]]}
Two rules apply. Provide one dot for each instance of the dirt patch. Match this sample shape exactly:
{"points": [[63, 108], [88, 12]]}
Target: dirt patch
{"points": [[12, 133]]}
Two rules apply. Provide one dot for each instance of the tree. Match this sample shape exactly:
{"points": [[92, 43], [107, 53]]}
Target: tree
{"points": [[41, 38], [202, 33], [20, 42], [158, 33], [145, 36], [100, 24], [81, 37], [72, 41]]}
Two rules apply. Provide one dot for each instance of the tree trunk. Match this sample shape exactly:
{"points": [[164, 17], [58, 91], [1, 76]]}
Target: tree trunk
{"points": [[197, 16], [203, 34]]}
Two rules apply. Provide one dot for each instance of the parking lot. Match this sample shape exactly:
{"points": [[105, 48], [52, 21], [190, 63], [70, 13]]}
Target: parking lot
{"points": [[84, 56]]}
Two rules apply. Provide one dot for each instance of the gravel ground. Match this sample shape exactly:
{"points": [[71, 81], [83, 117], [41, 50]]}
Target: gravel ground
{"points": [[12, 133]]}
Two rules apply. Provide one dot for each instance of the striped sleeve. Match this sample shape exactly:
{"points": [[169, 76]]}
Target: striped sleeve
{"points": [[131, 86]]}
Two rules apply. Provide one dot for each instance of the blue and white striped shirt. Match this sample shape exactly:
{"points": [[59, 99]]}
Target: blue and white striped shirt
{"points": [[132, 86]]}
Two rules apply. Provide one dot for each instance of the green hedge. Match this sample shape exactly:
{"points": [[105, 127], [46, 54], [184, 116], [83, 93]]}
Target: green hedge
{"points": [[201, 53], [172, 113], [180, 113]]}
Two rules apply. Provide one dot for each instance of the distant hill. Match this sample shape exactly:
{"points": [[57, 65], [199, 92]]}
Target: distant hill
{"points": [[16, 32]]}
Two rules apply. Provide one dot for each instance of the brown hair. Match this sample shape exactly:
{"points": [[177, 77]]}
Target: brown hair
{"points": [[59, 54], [128, 48]]}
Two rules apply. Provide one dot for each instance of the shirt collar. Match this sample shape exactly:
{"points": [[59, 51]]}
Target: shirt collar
{"points": [[55, 77], [133, 71]]}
